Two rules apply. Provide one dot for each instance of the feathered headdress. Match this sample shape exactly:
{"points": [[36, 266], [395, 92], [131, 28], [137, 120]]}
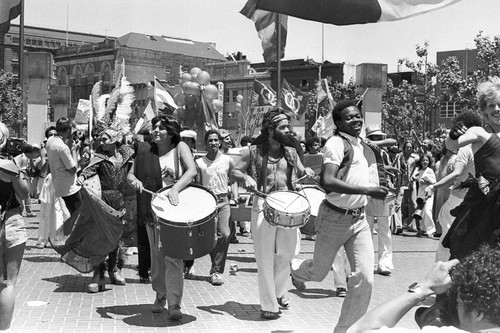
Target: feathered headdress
{"points": [[113, 110]]}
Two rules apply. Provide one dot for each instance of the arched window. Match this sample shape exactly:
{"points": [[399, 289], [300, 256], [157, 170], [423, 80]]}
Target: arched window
{"points": [[62, 76]]}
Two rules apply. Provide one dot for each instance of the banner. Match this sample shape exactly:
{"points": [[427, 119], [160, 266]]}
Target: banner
{"points": [[294, 100], [263, 95], [83, 111], [347, 12], [9, 10], [265, 24], [163, 99], [255, 118]]}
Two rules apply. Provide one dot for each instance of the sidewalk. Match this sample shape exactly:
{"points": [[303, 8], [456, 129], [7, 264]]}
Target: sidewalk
{"points": [[52, 297]]}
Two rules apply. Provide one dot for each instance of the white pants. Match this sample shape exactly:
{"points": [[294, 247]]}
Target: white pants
{"points": [[274, 249], [384, 241]]}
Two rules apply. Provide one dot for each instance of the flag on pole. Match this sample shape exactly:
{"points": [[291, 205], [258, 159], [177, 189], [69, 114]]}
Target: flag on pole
{"points": [[263, 95], [324, 95], [347, 12], [266, 25], [144, 123], [164, 101], [324, 126], [9, 10], [293, 99]]}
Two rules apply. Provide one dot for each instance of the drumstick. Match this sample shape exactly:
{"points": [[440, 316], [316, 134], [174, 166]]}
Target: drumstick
{"points": [[291, 202], [263, 195], [150, 192]]}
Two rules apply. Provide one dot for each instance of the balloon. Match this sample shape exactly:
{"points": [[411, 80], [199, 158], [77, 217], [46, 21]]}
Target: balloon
{"points": [[239, 98], [193, 89], [203, 78], [210, 91], [185, 77], [238, 105], [191, 99], [194, 77], [180, 99], [217, 103], [185, 87], [194, 71]]}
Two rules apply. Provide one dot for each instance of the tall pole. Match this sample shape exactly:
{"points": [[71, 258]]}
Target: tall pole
{"points": [[21, 69], [278, 60]]}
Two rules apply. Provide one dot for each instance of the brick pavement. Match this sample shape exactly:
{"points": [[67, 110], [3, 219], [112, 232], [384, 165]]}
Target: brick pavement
{"points": [[232, 307]]}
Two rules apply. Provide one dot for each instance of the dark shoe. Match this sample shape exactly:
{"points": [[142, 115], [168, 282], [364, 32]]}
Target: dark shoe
{"points": [[234, 240], [144, 279], [174, 312], [399, 231], [269, 315], [159, 305], [283, 301], [301, 286], [116, 277], [384, 272], [421, 233], [216, 279], [341, 292], [189, 272]]}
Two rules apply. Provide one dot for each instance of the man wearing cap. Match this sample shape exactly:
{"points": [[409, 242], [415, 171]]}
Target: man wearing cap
{"points": [[189, 137], [341, 219], [271, 164], [381, 210]]}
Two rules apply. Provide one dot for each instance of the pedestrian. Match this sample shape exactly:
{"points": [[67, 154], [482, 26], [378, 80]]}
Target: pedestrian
{"points": [[13, 187], [271, 164], [341, 219], [422, 177], [165, 161]]}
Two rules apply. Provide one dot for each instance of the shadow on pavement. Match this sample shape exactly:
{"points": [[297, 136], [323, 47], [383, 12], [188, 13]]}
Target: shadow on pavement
{"points": [[141, 315], [237, 310], [313, 293], [241, 259], [70, 283]]}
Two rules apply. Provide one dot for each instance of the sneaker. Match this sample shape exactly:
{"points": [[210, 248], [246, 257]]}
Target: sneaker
{"points": [[269, 315], [174, 312], [189, 272], [383, 271], [159, 305], [216, 279], [301, 286], [283, 301], [341, 292]]}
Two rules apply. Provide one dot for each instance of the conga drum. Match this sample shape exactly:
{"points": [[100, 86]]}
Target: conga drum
{"points": [[315, 195], [189, 230], [286, 209]]}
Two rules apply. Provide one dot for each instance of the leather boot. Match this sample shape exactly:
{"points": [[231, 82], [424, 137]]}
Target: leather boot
{"points": [[97, 283], [115, 263]]}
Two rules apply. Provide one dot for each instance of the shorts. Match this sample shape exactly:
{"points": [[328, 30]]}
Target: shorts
{"points": [[13, 232]]}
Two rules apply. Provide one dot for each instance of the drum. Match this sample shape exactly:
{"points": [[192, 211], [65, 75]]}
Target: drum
{"points": [[286, 209], [189, 230], [315, 195]]}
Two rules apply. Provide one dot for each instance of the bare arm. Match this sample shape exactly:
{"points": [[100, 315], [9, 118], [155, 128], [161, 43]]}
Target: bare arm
{"points": [[446, 180], [238, 174], [187, 177], [388, 314], [389, 142]]}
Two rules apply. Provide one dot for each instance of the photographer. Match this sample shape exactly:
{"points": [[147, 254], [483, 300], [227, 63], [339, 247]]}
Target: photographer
{"points": [[13, 187]]}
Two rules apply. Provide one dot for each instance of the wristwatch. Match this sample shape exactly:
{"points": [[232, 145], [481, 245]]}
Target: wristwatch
{"points": [[417, 290]]}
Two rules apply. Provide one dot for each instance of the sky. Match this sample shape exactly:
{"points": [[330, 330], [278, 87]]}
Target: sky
{"points": [[219, 21]]}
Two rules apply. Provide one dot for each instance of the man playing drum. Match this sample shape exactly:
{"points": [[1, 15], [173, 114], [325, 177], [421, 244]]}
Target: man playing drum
{"points": [[269, 165], [341, 218]]}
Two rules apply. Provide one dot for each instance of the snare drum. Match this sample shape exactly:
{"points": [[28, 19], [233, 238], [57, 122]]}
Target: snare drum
{"points": [[286, 209], [189, 230], [315, 195]]}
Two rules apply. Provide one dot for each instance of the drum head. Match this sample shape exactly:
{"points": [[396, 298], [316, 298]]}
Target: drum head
{"points": [[315, 196], [287, 201], [195, 204]]}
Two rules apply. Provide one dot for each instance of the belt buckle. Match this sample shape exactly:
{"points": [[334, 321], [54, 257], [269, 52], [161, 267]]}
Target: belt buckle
{"points": [[356, 212]]}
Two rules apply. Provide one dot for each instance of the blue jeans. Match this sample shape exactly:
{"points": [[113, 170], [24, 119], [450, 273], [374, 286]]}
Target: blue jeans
{"points": [[335, 229], [219, 253]]}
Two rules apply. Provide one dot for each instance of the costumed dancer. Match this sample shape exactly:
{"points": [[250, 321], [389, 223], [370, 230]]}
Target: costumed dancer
{"points": [[13, 187], [163, 162], [271, 164], [478, 216], [422, 177], [111, 164]]}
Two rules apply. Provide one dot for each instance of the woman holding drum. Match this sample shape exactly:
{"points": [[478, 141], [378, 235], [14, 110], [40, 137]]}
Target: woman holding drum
{"points": [[272, 165], [166, 161]]}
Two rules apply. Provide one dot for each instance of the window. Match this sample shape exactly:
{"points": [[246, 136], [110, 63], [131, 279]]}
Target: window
{"points": [[449, 110], [234, 94], [15, 40], [168, 70]]}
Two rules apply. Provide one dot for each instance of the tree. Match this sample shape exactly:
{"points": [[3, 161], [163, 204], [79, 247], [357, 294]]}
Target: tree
{"points": [[10, 100], [462, 87]]}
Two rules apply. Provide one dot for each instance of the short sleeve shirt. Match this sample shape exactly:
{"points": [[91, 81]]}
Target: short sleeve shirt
{"points": [[60, 160], [215, 174], [358, 173]]}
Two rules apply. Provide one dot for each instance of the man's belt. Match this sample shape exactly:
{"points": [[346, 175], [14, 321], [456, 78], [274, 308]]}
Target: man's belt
{"points": [[354, 212], [220, 197]]}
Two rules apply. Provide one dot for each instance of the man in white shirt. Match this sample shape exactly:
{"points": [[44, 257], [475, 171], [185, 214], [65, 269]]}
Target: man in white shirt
{"points": [[62, 165], [341, 219]]}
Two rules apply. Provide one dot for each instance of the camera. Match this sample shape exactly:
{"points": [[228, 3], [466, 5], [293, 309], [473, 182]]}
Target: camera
{"points": [[17, 146]]}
